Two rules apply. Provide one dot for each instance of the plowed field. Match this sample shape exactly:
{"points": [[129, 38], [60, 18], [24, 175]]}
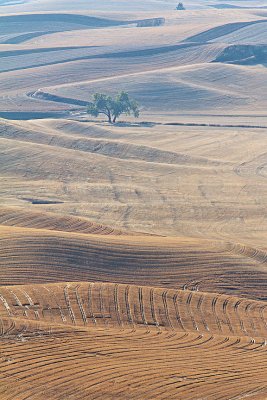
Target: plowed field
{"points": [[133, 256]]}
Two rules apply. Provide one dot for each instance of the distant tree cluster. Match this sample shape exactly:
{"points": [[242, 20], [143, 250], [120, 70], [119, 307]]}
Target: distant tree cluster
{"points": [[113, 107], [180, 6]]}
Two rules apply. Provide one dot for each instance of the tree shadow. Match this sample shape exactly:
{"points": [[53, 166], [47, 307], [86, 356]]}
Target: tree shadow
{"points": [[123, 124], [147, 124]]}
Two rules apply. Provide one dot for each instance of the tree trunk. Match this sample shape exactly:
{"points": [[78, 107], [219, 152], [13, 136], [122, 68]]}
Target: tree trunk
{"points": [[109, 116]]}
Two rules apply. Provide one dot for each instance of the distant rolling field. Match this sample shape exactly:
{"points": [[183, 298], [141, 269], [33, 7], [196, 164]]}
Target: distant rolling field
{"points": [[167, 180], [255, 33], [78, 53], [199, 87], [133, 256]]}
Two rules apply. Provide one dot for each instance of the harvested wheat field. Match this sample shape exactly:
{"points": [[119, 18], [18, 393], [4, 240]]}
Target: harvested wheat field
{"points": [[133, 254]]}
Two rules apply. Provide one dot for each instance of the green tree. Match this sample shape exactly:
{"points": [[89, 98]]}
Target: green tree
{"points": [[113, 108]]}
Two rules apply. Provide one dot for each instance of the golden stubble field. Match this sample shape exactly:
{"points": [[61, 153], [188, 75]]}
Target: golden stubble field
{"points": [[133, 257]]}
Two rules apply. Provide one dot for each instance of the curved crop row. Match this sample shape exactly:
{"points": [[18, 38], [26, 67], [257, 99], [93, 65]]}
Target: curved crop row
{"points": [[42, 256], [103, 341], [110, 305], [42, 220]]}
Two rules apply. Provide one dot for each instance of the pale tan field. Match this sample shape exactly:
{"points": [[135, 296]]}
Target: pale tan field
{"points": [[133, 257], [206, 182]]}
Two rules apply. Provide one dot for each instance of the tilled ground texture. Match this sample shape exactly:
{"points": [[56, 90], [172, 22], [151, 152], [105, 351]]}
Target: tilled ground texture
{"points": [[97, 340]]}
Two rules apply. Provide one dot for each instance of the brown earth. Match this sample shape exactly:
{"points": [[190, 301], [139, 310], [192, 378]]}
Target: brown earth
{"points": [[90, 340]]}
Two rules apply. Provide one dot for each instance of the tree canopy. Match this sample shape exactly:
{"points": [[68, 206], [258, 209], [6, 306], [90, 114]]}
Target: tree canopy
{"points": [[180, 6], [113, 107]]}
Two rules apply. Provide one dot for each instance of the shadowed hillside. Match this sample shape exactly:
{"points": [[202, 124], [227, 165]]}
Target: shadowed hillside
{"points": [[175, 263], [244, 55], [220, 32]]}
